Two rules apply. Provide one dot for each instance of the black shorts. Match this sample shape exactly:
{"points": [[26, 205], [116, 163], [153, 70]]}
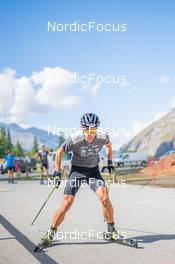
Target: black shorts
{"points": [[44, 165], [10, 168], [79, 175]]}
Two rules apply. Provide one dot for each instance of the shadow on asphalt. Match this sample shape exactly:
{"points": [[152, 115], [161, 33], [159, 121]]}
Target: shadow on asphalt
{"points": [[141, 239], [6, 238], [42, 258], [154, 238], [56, 243]]}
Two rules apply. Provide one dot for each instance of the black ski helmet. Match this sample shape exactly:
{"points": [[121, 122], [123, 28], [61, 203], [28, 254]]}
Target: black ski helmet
{"points": [[89, 120]]}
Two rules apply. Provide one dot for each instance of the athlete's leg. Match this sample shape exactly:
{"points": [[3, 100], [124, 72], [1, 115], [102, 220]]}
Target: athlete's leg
{"points": [[10, 172], [97, 184], [42, 172], [47, 172], [68, 198], [12, 175], [72, 186], [59, 215], [62, 209], [103, 196], [9, 175]]}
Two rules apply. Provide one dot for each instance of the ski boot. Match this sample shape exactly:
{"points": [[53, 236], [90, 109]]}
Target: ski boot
{"points": [[46, 240], [112, 233]]}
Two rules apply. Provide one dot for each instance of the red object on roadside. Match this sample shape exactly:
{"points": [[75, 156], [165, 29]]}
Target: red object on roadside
{"points": [[17, 166], [172, 162]]}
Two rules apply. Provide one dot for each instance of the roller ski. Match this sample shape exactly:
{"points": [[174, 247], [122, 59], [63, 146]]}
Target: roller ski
{"points": [[113, 235], [46, 240], [120, 240]]}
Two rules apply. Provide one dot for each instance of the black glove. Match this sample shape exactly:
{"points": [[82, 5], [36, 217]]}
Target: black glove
{"points": [[57, 178], [110, 166]]}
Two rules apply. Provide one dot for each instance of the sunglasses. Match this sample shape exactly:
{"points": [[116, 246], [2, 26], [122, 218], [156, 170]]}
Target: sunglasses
{"points": [[90, 131]]}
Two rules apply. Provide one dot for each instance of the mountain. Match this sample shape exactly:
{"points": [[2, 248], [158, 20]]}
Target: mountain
{"points": [[26, 136], [156, 139]]}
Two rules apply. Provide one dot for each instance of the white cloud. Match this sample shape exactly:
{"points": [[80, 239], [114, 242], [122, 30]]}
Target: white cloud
{"points": [[24, 100], [69, 102], [91, 89], [164, 78], [53, 84], [42, 91]]}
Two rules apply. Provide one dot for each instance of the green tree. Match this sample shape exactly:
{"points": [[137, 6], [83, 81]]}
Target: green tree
{"points": [[9, 140], [18, 150], [35, 145], [3, 142]]}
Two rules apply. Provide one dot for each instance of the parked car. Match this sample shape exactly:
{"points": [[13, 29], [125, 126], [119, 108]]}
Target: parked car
{"points": [[66, 161], [131, 159], [22, 163], [2, 169], [30, 163]]}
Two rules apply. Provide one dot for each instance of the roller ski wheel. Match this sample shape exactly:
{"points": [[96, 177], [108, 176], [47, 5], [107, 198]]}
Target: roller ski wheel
{"points": [[39, 248], [45, 242], [119, 239]]}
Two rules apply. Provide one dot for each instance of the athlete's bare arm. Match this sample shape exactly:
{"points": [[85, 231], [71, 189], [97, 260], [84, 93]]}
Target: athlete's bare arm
{"points": [[59, 154], [108, 148]]}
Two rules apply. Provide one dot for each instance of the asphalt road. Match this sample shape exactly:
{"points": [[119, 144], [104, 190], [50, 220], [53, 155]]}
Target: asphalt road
{"points": [[147, 214]]}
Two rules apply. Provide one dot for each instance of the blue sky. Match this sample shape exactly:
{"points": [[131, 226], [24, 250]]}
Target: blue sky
{"points": [[144, 53]]}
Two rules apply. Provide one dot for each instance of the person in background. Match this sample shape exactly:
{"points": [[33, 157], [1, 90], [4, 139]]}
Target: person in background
{"points": [[43, 155], [51, 162], [17, 168], [9, 160], [27, 163]]}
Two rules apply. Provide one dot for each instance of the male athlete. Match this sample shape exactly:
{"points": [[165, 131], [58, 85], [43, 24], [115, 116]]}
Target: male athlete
{"points": [[43, 155], [85, 146]]}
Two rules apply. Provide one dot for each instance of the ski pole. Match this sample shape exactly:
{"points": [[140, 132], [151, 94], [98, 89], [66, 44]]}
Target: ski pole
{"points": [[43, 204]]}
